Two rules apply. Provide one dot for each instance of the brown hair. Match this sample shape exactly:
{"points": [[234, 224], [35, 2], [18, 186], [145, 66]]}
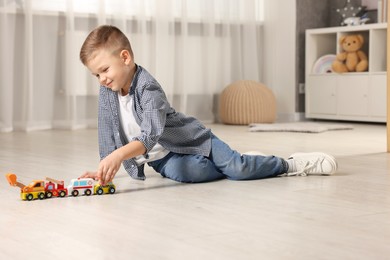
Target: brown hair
{"points": [[105, 36]]}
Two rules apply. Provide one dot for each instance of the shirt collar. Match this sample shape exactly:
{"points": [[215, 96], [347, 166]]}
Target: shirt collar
{"points": [[135, 79]]}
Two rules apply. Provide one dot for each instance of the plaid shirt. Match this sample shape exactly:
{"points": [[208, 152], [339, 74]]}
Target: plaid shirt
{"points": [[159, 122]]}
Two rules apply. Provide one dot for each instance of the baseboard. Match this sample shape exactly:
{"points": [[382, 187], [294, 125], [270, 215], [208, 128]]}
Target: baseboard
{"points": [[67, 125]]}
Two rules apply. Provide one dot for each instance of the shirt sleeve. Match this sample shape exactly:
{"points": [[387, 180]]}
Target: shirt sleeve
{"points": [[105, 126], [154, 107]]}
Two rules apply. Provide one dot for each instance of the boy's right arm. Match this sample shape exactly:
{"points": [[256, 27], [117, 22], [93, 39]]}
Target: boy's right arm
{"points": [[105, 132], [109, 166]]}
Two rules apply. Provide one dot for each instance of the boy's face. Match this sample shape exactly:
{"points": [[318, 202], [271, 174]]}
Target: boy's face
{"points": [[113, 71]]}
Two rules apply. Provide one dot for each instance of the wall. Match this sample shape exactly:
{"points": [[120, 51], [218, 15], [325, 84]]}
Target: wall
{"points": [[310, 14]]}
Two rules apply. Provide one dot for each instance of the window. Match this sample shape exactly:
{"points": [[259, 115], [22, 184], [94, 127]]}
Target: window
{"points": [[192, 9]]}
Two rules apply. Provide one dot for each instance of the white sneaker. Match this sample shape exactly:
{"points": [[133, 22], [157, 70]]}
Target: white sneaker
{"points": [[313, 163]]}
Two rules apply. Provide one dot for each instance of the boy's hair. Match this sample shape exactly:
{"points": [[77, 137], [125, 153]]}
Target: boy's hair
{"points": [[106, 36]]}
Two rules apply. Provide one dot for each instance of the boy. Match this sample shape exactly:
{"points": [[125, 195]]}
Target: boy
{"points": [[137, 125]]}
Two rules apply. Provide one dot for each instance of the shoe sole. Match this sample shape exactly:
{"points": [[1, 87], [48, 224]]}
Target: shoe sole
{"points": [[330, 159]]}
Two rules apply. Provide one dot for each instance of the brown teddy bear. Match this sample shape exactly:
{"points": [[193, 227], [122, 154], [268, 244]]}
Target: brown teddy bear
{"points": [[352, 58]]}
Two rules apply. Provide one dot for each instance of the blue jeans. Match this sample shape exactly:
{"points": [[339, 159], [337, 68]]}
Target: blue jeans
{"points": [[223, 162]]}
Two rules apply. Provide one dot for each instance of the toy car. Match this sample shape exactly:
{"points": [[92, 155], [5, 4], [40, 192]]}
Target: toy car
{"points": [[100, 189], [41, 189], [81, 185]]}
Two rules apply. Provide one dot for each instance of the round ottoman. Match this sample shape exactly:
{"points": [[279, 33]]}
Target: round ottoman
{"points": [[245, 102]]}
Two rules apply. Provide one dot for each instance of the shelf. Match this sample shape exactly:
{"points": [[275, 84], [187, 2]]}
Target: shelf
{"points": [[356, 96]]}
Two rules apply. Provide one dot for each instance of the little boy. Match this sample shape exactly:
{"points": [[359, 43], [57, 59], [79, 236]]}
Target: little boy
{"points": [[137, 125]]}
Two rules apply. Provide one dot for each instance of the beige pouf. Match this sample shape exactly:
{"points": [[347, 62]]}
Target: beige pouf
{"points": [[245, 102]]}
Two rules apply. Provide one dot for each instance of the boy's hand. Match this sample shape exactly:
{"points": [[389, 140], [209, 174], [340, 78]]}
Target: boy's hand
{"points": [[108, 167], [92, 175]]}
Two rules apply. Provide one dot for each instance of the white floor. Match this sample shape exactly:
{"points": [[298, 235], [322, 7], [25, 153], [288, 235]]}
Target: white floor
{"points": [[346, 216]]}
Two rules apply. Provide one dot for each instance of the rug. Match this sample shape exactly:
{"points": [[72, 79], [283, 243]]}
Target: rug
{"points": [[300, 127]]}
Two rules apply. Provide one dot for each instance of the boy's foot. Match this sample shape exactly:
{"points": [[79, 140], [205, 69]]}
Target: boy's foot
{"points": [[312, 164]]}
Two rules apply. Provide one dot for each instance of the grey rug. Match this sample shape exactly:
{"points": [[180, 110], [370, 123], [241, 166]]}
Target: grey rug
{"points": [[300, 127]]}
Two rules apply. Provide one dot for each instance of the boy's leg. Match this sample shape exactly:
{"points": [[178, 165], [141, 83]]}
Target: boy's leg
{"points": [[187, 168], [244, 167]]}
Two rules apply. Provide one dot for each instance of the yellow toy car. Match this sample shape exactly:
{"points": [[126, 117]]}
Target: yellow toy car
{"points": [[109, 188]]}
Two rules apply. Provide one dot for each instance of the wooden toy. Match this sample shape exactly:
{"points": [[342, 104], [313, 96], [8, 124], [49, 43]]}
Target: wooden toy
{"points": [[35, 190], [41, 189], [108, 188], [55, 188], [84, 185]]}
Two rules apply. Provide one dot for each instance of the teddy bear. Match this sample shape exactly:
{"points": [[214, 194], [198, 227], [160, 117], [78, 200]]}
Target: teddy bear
{"points": [[352, 58]]}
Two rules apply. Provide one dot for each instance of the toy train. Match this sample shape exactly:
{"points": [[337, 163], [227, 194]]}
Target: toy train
{"points": [[42, 189]]}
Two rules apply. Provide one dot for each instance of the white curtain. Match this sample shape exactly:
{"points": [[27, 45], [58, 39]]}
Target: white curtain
{"points": [[194, 48]]}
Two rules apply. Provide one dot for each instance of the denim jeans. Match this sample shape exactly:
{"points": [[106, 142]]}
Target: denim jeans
{"points": [[223, 162]]}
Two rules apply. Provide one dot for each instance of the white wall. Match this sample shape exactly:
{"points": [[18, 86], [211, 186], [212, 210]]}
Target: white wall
{"points": [[280, 56]]}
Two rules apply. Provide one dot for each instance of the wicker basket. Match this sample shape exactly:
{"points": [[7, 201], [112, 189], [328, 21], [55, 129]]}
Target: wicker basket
{"points": [[245, 102]]}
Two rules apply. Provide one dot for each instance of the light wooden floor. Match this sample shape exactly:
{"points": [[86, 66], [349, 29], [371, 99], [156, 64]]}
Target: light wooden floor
{"points": [[346, 216]]}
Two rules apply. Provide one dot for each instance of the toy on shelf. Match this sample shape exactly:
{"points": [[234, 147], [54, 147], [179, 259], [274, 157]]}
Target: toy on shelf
{"points": [[351, 58], [41, 189]]}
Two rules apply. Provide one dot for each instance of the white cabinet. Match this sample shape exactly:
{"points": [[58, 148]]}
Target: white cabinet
{"points": [[322, 92], [349, 96], [377, 93]]}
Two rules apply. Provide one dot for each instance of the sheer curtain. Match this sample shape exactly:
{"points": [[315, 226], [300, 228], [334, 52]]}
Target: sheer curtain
{"points": [[194, 48]]}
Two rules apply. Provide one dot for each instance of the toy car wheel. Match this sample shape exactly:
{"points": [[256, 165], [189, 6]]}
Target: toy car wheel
{"points": [[99, 191], [49, 194], [29, 197], [41, 196], [75, 193], [88, 192], [111, 190], [62, 193]]}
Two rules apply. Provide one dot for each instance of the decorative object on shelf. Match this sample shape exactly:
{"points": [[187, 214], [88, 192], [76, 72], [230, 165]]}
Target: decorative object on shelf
{"points": [[348, 11], [351, 21], [324, 64], [246, 101], [351, 58]]}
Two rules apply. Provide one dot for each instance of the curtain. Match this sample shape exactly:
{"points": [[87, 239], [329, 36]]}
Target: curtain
{"points": [[194, 48]]}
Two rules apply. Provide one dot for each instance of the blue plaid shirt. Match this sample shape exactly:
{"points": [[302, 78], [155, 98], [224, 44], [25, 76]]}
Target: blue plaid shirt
{"points": [[159, 122]]}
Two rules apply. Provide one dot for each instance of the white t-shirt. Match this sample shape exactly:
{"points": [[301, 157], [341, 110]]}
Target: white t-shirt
{"points": [[132, 129]]}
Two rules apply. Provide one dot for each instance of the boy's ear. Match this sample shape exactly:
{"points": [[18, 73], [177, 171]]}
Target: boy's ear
{"points": [[125, 56]]}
